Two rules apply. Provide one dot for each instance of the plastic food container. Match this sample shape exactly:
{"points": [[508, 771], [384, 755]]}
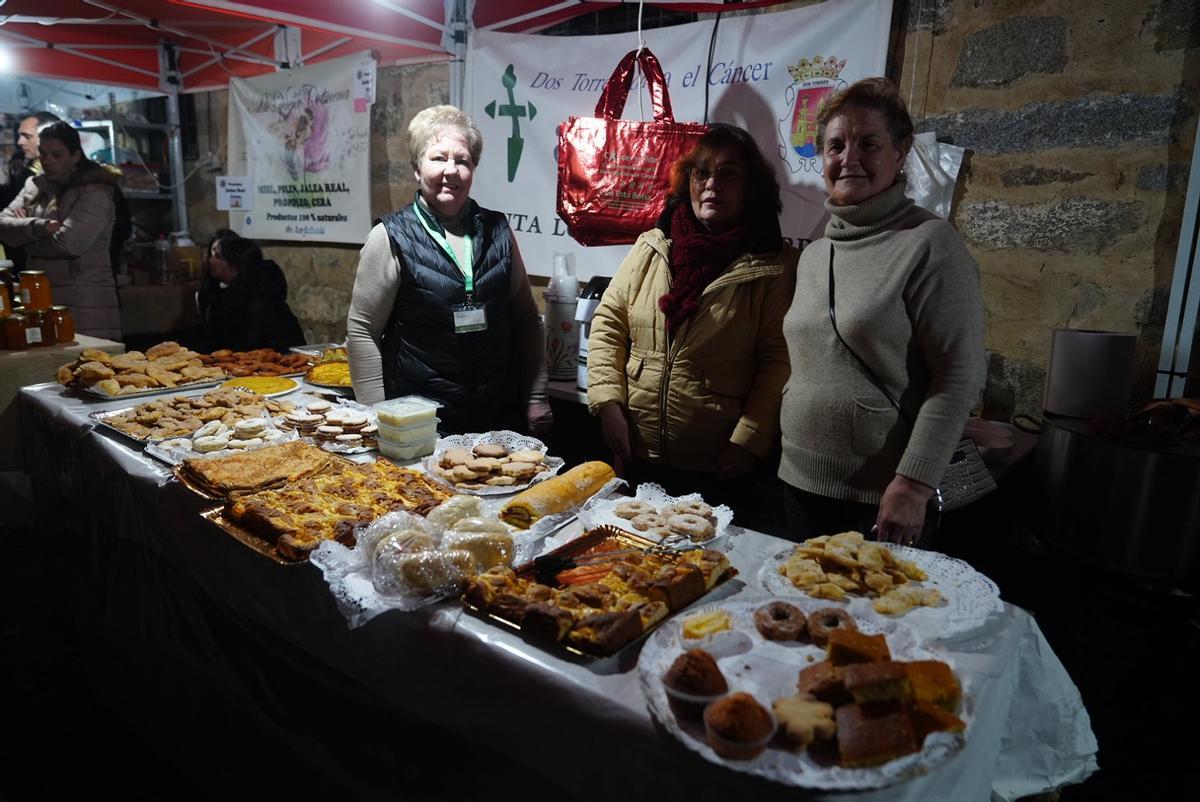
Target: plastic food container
{"points": [[406, 411], [689, 705], [409, 435], [407, 453]]}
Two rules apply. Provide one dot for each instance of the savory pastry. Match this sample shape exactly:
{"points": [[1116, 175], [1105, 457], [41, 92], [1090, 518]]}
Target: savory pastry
{"points": [[780, 621], [605, 633], [286, 462], [804, 719], [826, 620], [834, 566], [557, 494], [696, 672], [738, 727], [870, 735]]}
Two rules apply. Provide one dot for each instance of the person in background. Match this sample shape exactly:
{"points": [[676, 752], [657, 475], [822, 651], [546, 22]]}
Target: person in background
{"points": [[442, 305], [885, 335], [27, 143], [16, 177], [243, 299], [63, 219], [686, 358]]}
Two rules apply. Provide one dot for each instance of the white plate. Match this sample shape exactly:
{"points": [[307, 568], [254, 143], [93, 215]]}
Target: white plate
{"points": [[768, 671], [971, 598], [233, 384], [510, 440]]}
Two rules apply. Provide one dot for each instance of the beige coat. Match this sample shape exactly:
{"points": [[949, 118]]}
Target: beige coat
{"points": [[718, 380], [75, 258]]}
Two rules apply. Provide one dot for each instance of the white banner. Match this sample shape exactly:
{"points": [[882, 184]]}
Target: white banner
{"points": [[768, 74], [302, 137]]}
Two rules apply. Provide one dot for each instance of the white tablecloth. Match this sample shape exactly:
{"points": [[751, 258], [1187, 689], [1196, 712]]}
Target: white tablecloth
{"points": [[1030, 733]]}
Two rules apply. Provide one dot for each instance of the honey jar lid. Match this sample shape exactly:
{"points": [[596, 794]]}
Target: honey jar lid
{"points": [[59, 307], [33, 272]]}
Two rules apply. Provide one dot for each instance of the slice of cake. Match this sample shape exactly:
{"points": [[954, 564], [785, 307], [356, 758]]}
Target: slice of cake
{"points": [[848, 646], [870, 735], [933, 681], [877, 681]]}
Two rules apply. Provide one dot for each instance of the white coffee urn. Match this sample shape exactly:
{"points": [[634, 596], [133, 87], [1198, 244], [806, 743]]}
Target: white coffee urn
{"points": [[589, 299]]}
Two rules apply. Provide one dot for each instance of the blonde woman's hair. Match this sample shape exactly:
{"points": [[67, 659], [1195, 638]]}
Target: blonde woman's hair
{"points": [[429, 122]]}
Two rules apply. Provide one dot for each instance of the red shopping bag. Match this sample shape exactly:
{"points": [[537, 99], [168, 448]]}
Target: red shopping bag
{"points": [[614, 174]]}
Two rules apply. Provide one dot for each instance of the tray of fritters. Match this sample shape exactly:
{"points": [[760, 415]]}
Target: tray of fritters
{"points": [[162, 368], [182, 415], [289, 521], [258, 362], [598, 608]]}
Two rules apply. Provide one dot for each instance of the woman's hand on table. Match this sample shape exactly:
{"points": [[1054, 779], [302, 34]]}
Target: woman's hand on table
{"points": [[734, 462], [539, 417], [902, 511], [614, 427]]}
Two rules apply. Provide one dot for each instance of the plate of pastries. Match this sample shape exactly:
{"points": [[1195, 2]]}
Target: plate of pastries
{"points": [[184, 416], [166, 366], [655, 514], [258, 362], [491, 463], [804, 694], [938, 595]]}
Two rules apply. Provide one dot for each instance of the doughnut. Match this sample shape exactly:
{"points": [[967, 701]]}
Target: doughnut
{"points": [[647, 521], [822, 622], [690, 508], [632, 509], [780, 621], [691, 526]]}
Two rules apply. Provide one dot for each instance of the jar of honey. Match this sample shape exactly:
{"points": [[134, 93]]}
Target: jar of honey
{"points": [[64, 324], [39, 328], [5, 302], [14, 332], [35, 291]]}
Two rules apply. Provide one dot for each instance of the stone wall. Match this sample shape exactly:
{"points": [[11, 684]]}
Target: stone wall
{"points": [[1079, 119], [320, 277]]}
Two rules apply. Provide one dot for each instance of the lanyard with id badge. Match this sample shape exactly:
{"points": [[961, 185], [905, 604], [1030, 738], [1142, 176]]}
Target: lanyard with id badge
{"points": [[468, 316]]}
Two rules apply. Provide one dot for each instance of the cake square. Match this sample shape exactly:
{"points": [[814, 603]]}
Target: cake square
{"points": [[877, 681], [927, 717], [869, 735], [848, 646], [933, 681], [824, 681]]}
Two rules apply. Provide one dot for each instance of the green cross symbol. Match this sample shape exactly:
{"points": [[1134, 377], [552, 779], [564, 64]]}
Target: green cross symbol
{"points": [[516, 142]]}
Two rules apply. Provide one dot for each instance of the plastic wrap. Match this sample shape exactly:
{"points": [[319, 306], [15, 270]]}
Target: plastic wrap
{"points": [[602, 509], [512, 441]]}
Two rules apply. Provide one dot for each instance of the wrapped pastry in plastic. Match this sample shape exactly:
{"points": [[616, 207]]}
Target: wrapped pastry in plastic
{"points": [[422, 573], [453, 510], [488, 548], [480, 524]]}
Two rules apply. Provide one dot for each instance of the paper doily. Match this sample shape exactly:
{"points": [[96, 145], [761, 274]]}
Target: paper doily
{"points": [[768, 670], [971, 597]]}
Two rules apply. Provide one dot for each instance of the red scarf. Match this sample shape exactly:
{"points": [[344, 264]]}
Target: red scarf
{"points": [[697, 257]]}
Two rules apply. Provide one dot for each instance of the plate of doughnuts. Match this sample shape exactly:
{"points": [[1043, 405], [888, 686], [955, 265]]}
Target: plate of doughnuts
{"points": [[654, 514], [491, 463]]}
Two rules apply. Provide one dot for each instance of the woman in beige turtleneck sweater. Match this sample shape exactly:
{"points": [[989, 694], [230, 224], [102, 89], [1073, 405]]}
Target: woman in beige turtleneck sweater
{"points": [[905, 295]]}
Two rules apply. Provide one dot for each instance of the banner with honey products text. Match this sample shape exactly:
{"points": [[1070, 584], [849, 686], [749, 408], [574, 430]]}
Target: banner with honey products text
{"points": [[768, 73], [301, 138]]}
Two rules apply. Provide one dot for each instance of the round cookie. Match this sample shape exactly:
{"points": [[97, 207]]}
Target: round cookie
{"points": [[518, 470], [691, 526], [632, 509], [490, 450], [209, 443], [319, 407], [647, 521]]}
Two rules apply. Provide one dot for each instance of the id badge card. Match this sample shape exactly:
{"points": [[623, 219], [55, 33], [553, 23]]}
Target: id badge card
{"points": [[469, 317]]}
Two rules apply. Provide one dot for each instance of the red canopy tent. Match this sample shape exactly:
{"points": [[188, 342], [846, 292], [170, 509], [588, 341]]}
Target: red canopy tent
{"points": [[192, 45]]}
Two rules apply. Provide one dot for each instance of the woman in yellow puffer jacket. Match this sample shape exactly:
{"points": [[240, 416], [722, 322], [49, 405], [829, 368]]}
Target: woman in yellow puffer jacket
{"points": [[686, 359]]}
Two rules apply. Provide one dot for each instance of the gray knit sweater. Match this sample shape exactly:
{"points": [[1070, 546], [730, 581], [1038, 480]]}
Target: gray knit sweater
{"points": [[908, 301]]}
